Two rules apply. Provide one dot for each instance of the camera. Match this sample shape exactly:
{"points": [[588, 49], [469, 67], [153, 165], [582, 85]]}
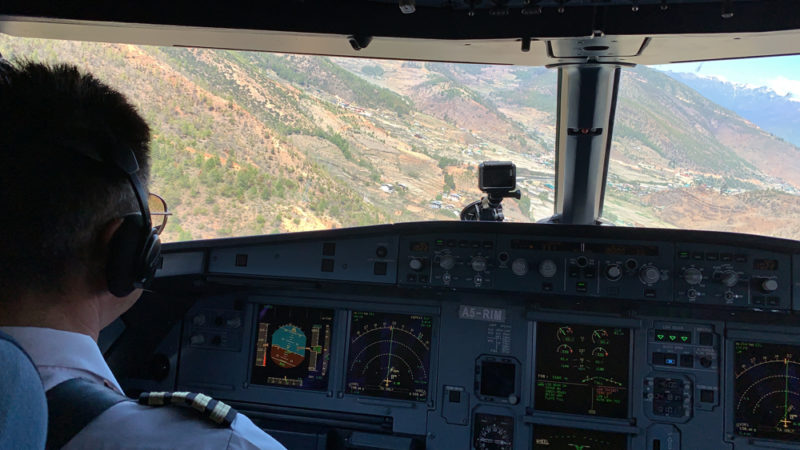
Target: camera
{"points": [[497, 177]]}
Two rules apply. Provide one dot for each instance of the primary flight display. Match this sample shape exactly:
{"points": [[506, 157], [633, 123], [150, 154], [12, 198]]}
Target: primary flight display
{"points": [[293, 347]]}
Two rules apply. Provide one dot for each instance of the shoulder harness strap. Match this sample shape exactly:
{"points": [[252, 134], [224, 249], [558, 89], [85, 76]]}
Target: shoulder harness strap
{"points": [[216, 411], [72, 405]]}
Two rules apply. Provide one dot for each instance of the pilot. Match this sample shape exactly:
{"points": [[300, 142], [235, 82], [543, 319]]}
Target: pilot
{"points": [[74, 223]]}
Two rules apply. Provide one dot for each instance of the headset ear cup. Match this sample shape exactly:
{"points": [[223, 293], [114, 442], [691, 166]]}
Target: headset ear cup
{"points": [[149, 259], [124, 252]]}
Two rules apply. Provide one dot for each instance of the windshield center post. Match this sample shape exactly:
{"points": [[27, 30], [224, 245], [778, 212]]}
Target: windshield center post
{"points": [[587, 96]]}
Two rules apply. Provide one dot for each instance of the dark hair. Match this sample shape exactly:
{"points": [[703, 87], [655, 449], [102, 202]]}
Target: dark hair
{"points": [[54, 199]]}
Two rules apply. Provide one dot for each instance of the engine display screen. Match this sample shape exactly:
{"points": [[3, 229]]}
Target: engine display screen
{"points": [[582, 369], [561, 438], [293, 347], [389, 355], [767, 390]]}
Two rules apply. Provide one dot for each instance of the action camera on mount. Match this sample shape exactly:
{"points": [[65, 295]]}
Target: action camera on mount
{"points": [[498, 179]]}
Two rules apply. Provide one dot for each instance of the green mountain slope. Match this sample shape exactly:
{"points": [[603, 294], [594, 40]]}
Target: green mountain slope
{"points": [[251, 143]]}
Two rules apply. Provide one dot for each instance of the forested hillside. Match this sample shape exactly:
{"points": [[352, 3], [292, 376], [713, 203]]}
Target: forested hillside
{"points": [[253, 143]]}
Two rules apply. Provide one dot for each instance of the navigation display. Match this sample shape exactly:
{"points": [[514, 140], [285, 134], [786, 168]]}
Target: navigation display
{"points": [[767, 390], [582, 369], [293, 347], [389, 355], [560, 438]]}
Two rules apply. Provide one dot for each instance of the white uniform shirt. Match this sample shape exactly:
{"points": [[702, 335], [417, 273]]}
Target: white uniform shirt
{"points": [[62, 356]]}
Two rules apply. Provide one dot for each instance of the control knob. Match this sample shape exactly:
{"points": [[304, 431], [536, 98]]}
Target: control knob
{"points": [[729, 278], [520, 266], [415, 264], [548, 268], [447, 262], [478, 264], [613, 272], [769, 285], [692, 276], [649, 274]]}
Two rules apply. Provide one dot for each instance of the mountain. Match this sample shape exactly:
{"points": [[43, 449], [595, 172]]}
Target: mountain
{"points": [[252, 143], [780, 115]]}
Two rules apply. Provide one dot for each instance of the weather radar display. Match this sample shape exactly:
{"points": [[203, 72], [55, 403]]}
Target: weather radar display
{"points": [[767, 390], [293, 347], [389, 355], [582, 369]]}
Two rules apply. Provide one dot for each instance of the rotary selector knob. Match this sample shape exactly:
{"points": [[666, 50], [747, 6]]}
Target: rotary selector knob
{"points": [[478, 264], [548, 268], [447, 262], [692, 276], [415, 264], [769, 285], [613, 272], [729, 278], [520, 266], [649, 274]]}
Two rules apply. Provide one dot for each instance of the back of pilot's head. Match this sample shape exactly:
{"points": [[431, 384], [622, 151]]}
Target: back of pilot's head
{"points": [[54, 200]]}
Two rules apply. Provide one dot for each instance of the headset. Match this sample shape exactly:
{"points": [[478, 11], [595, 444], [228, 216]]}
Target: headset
{"points": [[134, 251]]}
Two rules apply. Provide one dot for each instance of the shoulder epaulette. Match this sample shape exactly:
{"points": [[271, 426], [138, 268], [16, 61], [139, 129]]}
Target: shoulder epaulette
{"points": [[214, 410]]}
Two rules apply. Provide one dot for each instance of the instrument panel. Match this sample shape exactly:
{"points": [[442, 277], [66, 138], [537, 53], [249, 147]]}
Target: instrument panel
{"points": [[491, 360]]}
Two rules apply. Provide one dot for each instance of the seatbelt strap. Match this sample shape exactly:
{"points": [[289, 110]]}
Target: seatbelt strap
{"points": [[74, 404]]}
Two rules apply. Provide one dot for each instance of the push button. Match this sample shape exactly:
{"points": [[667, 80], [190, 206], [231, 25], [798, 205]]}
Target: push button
{"points": [[687, 360], [706, 338], [455, 396]]}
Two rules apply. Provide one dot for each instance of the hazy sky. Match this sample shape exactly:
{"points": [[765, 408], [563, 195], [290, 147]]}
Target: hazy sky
{"points": [[780, 73]]}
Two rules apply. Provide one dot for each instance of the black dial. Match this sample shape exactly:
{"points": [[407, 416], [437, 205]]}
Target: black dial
{"points": [[389, 355], [767, 390], [493, 432]]}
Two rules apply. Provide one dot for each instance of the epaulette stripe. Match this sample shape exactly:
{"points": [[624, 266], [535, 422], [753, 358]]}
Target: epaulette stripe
{"points": [[200, 402], [220, 412], [179, 397], [230, 415], [215, 410], [210, 407], [152, 398]]}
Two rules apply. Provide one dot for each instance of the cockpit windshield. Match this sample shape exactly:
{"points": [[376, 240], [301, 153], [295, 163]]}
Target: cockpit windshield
{"points": [[248, 143]]}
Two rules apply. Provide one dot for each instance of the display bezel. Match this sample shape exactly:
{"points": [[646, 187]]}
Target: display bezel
{"points": [[633, 326], [433, 356], [736, 335], [257, 307], [625, 436]]}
